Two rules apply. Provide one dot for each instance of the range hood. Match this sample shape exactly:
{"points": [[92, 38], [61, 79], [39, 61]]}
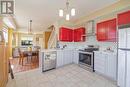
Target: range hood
{"points": [[90, 28]]}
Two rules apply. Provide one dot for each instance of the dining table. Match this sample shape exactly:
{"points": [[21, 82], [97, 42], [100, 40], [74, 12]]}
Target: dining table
{"points": [[31, 54]]}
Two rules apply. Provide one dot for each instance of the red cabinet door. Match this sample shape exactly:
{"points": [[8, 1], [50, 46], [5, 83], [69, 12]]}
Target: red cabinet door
{"points": [[70, 35], [66, 34], [101, 31], [75, 34], [78, 34], [62, 36], [124, 18], [112, 30], [82, 30], [106, 31]]}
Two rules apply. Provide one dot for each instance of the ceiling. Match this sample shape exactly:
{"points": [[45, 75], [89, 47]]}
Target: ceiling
{"points": [[43, 13]]}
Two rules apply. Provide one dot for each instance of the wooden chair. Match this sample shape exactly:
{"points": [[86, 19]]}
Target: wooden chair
{"points": [[21, 56], [36, 55]]}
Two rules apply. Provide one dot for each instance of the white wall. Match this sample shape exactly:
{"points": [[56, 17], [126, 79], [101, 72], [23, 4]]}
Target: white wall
{"points": [[90, 41]]}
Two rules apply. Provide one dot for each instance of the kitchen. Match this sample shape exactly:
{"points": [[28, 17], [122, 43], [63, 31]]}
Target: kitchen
{"points": [[78, 51], [95, 48], [87, 48]]}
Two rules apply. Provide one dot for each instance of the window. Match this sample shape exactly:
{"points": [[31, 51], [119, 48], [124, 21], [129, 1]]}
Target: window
{"points": [[26, 40]]}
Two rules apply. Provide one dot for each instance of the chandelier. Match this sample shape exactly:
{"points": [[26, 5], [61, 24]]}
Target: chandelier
{"points": [[67, 12]]}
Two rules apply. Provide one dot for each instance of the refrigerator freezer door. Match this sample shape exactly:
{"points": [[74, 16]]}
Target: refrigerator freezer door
{"points": [[128, 70], [128, 38], [121, 68], [122, 38]]}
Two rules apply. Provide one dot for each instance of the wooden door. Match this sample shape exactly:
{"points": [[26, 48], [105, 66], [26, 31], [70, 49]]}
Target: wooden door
{"points": [[47, 36], [3, 65]]}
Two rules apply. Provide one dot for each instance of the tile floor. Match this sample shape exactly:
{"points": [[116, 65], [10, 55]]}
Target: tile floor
{"points": [[67, 76]]}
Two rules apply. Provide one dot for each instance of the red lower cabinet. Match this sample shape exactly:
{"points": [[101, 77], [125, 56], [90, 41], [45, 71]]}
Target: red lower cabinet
{"points": [[79, 34], [124, 18], [106, 31], [66, 34]]}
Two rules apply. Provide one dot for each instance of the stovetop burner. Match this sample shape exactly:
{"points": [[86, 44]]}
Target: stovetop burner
{"points": [[90, 49]]}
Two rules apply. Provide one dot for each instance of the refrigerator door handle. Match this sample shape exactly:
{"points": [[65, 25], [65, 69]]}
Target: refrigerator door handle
{"points": [[124, 49]]}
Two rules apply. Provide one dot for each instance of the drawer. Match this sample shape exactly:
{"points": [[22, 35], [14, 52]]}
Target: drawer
{"points": [[99, 62]]}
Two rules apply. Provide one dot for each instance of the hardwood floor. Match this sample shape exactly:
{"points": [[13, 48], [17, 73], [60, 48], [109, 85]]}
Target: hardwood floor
{"points": [[31, 64]]}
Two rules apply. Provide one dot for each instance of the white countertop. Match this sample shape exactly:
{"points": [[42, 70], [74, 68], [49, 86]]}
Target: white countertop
{"points": [[106, 52], [50, 50]]}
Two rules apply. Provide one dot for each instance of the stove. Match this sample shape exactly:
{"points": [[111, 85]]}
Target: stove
{"points": [[86, 58]]}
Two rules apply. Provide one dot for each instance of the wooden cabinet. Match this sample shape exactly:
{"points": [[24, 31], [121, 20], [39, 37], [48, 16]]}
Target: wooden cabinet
{"points": [[3, 65], [66, 34], [105, 64], [79, 34], [106, 31], [124, 18]]}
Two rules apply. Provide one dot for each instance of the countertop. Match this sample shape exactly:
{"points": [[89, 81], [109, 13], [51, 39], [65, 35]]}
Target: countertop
{"points": [[50, 50], [106, 52]]}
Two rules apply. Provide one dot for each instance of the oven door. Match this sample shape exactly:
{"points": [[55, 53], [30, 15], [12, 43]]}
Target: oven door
{"points": [[86, 58]]}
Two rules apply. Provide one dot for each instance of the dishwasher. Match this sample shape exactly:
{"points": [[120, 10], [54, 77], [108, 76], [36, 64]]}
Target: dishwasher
{"points": [[49, 61]]}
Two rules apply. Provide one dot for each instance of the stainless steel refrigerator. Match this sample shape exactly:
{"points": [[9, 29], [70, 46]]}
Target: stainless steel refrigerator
{"points": [[124, 57]]}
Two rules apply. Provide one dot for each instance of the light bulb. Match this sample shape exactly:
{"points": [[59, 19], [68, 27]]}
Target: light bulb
{"points": [[61, 13], [67, 17], [72, 12]]}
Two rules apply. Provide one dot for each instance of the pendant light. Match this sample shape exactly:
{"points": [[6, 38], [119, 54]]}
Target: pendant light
{"points": [[66, 11], [61, 13], [30, 27], [67, 17], [72, 12]]}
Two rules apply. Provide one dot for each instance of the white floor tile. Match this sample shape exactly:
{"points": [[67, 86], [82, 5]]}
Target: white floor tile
{"points": [[67, 76]]}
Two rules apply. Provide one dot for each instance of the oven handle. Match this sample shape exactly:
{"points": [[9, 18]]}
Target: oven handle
{"points": [[86, 52]]}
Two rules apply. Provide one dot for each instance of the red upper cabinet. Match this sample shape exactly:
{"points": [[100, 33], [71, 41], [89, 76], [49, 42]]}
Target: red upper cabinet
{"points": [[66, 34], [106, 31], [124, 18], [112, 30], [70, 35], [79, 34], [101, 31]]}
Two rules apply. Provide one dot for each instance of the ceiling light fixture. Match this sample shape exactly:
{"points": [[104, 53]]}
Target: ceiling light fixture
{"points": [[66, 11], [30, 27]]}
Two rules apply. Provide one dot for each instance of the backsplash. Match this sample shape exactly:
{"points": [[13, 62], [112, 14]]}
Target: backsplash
{"points": [[91, 40]]}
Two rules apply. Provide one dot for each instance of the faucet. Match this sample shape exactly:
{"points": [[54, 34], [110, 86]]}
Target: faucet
{"points": [[64, 46]]}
